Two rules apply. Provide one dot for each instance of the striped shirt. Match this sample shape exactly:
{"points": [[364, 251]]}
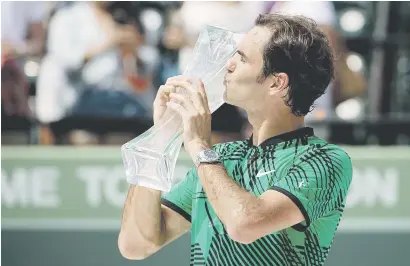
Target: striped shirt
{"points": [[315, 175]]}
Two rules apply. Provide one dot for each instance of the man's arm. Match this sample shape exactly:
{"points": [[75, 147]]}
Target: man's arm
{"points": [[146, 225], [318, 187], [245, 216]]}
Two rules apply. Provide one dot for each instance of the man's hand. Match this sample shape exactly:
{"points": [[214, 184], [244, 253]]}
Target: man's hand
{"points": [[194, 110], [160, 102]]}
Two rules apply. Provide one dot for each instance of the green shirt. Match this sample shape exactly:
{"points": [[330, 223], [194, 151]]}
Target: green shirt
{"points": [[314, 174]]}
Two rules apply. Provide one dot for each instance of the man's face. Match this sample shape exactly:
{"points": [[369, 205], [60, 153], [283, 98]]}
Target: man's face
{"points": [[244, 68]]}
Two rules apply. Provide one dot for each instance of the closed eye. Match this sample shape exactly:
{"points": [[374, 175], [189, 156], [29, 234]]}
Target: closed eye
{"points": [[243, 56]]}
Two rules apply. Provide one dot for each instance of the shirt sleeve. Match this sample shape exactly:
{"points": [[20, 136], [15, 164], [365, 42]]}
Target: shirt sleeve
{"points": [[179, 199], [318, 183]]}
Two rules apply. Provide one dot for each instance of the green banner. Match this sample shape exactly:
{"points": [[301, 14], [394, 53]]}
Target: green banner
{"points": [[70, 187]]}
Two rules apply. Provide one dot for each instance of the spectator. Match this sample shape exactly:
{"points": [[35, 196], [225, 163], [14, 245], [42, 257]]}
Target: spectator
{"points": [[92, 66], [19, 20]]}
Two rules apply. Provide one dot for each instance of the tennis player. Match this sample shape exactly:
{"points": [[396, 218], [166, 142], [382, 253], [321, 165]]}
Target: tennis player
{"points": [[273, 199]]}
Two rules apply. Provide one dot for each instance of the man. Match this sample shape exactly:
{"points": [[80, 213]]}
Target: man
{"points": [[274, 199]]}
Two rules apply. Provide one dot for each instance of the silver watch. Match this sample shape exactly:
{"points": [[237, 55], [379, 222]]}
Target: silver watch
{"points": [[207, 156]]}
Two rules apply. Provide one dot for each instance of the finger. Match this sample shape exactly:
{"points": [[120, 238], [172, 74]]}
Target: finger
{"points": [[204, 97], [179, 77], [166, 89], [193, 93], [179, 109], [183, 83], [185, 102], [163, 94]]}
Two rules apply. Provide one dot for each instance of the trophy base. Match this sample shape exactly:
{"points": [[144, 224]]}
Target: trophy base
{"points": [[147, 168]]}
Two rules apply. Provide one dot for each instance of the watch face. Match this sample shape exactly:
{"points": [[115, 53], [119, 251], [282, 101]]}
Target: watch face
{"points": [[211, 155]]}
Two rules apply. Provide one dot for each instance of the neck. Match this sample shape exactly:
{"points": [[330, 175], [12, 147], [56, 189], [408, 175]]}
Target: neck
{"points": [[265, 127]]}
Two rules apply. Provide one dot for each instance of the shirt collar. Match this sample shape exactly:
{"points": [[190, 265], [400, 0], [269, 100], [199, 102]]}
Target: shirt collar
{"points": [[303, 132]]}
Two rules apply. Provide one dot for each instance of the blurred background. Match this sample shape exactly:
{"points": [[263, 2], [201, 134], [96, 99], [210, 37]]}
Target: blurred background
{"points": [[78, 80]]}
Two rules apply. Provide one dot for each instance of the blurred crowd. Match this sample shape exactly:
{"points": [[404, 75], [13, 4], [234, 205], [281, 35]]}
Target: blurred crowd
{"points": [[107, 59]]}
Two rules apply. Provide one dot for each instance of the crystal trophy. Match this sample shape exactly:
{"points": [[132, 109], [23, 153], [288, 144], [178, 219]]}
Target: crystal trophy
{"points": [[150, 158]]}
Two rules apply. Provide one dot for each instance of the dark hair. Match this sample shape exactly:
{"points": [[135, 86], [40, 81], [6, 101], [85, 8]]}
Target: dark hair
{"points": [[298, 48]]}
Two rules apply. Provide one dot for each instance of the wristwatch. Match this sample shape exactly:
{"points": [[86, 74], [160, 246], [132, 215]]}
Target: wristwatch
{"points": [[207, 156]]}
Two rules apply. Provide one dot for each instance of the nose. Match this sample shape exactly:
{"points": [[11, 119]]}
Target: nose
{"points": [[230, 65]]}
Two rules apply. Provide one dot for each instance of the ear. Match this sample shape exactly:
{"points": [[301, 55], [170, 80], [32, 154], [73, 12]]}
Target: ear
{"points": [[279, 82]]}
